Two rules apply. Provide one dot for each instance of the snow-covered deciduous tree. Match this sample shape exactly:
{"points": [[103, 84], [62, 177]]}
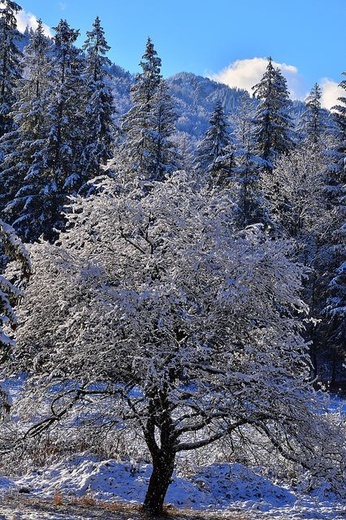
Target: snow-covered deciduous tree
{"points": [[296, 196], [189, 331], [10, 290], [12, 285]]}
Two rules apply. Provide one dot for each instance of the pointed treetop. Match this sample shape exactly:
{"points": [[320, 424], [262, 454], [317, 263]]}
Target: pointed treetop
{"points": [[96, 38], [38, 40], [64, 34], [314, 97], [150, 63]]}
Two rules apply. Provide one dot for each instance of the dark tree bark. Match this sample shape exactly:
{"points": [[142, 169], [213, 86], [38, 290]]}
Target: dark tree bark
{"points": [[163, 466], [163, 452]]}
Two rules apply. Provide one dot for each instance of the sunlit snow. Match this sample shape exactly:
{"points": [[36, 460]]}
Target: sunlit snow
{"points": [[219, 487]]}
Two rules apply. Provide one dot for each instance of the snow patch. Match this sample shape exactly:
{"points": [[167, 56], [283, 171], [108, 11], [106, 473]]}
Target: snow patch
{"points": [[218, 487]]}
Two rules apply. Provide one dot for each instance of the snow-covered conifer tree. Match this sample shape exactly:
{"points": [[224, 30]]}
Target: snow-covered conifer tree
{"points": [[215, 154], [249, 200], [337, 179], [314, 124], [273, 124], [99, 110], [149, 124], [332, 330], [162, 157], [23, 170], [9, 61], [61, 151]]}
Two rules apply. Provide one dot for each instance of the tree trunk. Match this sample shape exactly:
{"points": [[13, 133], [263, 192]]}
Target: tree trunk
{"points": [[163, 466]]}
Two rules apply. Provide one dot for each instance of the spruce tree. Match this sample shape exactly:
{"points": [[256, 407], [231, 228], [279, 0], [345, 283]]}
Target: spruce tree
{"points": [[149, 124], [64, 108], [249, 202], [62, 175], [338, 170], [10, 56], [162, 157], [331, 331], [23, 170], [313, 114], [315, 121], [273, 124], [334, 312], [215, 154], [99, 110]]}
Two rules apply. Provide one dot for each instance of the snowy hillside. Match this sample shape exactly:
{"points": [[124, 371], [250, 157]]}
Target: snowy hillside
{"points": [[194, 98]]}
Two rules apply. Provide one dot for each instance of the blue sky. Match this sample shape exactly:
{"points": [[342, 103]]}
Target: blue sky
{"points": [[224, 39]]}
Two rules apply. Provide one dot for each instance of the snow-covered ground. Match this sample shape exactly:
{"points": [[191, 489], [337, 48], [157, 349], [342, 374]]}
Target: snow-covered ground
{"points": [[224, 488], [217, 489]]}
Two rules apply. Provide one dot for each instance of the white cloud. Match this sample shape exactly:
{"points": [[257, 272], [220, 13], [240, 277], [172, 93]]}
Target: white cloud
{"points": [[330, 93], [25, 19], [246, 73]]}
